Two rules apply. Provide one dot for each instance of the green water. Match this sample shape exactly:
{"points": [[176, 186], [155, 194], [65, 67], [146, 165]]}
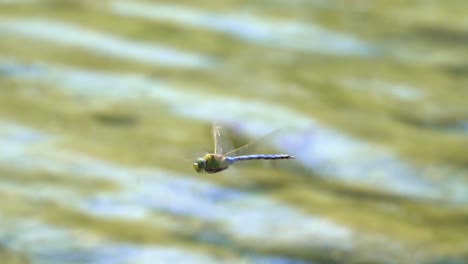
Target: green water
{"points": [[104, 105]]}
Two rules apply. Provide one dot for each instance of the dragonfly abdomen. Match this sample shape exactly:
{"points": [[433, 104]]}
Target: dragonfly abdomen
{"points": [[259, 156]]}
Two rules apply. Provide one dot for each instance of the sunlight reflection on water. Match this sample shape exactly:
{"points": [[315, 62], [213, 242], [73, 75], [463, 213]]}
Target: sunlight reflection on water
{"points": [[103, 43], [326, 151], [291, 34], [66, 246], [144, 190]]}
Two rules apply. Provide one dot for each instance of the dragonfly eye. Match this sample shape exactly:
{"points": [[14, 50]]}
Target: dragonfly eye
{"points": [[199, 165]]}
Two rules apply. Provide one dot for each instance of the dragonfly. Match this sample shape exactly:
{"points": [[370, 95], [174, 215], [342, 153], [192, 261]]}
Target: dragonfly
{"points": [[217, 161]]}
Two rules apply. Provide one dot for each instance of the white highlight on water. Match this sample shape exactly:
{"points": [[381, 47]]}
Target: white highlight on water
{"points": [[328, 152], [103, 43], [250, 27]]}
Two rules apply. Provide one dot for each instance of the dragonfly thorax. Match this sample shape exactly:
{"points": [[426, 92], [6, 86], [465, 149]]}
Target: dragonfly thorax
{"points": [[211, 163]]}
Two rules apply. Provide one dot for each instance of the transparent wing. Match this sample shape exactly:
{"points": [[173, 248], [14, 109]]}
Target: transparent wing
{"points": [[254, 146], [221, 139]]}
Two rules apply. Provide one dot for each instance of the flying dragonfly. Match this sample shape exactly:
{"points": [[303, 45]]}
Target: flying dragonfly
{"points": [[219, 161]]}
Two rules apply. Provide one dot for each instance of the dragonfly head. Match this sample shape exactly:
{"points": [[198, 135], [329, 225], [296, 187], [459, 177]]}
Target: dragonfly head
{"points": [[199, 165]]}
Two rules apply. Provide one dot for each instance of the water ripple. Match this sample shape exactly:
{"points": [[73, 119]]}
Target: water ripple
{"points": [[381, 88], [290, 34], [326, 151], [65, 246], [144, 190], [103, 43]]}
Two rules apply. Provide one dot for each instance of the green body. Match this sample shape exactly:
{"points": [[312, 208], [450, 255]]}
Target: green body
{"points": [[211, 163]]}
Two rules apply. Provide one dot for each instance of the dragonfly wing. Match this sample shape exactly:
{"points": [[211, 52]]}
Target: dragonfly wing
{"points": [[221, 139], [253, 146]]}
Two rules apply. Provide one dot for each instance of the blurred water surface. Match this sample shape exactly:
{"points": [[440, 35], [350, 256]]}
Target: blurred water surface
{"points": [[104, 105]]}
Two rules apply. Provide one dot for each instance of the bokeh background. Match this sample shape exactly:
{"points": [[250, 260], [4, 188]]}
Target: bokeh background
{"points": [[104, 105]]}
